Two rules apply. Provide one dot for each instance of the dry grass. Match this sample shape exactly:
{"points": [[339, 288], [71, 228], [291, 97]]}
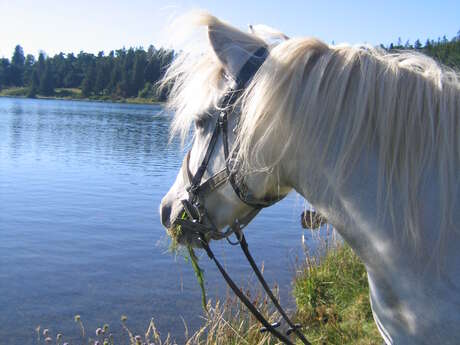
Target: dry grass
{"points": [[231, 323], [225, 323]]}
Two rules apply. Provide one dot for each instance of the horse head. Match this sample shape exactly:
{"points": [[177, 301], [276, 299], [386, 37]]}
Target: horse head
{"points": [[224, 196]]}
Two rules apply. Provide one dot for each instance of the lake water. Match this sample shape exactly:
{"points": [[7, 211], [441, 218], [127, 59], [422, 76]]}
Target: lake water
{"points": [[80, 186]]}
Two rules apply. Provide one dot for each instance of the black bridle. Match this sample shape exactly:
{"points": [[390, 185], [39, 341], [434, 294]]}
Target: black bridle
{"points": [[196, 212]]}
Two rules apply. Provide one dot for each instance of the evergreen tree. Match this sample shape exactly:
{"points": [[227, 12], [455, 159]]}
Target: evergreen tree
{"points": [[41, 63], [87, 85], [71, 78], [138, 76], [4, 72], [46, 87], [428, 44], [28, 68], [125, 87], [100, 80], [17, 67], [115, 78], [34, 84], [60, 67], [18, 57]]}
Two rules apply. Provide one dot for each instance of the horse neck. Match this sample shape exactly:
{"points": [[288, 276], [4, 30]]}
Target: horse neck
{"points": [[351, 206], [341, 203]]}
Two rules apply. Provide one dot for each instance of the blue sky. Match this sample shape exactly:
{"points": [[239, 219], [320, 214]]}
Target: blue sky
{"points": [[71, 26]]}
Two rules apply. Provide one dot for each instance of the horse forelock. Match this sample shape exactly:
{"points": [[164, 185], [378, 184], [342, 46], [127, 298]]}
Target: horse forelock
{"points": [[193, 84], [194, 78]]}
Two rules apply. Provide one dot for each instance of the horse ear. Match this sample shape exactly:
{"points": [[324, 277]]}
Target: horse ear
{"points": [[267, 33], [232, 46]]}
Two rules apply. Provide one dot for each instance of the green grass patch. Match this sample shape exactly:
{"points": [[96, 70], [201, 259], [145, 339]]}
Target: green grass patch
{"points": [[14, 92], [332, 296], [74, 94], [140, 100], [68, 93]]}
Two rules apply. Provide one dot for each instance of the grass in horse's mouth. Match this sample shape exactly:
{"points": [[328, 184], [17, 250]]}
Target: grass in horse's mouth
{"points": [[175, 232]]}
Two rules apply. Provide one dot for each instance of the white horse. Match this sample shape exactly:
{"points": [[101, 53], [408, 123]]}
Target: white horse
{"points": [[371, 139]]}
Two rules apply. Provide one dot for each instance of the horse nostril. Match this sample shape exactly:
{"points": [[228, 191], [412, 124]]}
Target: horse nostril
{"points": [[165, 212]]}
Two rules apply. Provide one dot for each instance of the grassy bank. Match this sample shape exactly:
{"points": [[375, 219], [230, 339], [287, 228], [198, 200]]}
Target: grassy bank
{"points": [[332, 298], [74, 94]]}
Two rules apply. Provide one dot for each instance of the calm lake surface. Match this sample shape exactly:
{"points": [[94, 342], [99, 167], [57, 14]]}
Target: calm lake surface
{"points": [[80, 186]]}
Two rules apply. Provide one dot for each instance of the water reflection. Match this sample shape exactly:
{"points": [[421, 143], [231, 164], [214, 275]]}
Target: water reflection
{"points": [[103, 132]]}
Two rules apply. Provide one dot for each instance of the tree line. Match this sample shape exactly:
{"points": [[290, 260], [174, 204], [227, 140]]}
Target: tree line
{"points": [[443, 50], [134, 72], [122, 73]]}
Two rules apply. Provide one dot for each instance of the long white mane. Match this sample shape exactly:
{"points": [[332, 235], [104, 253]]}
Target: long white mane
{"points": [[405, 106]]}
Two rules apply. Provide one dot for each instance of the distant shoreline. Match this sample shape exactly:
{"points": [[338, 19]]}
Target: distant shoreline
{"points": [[75, 95]]}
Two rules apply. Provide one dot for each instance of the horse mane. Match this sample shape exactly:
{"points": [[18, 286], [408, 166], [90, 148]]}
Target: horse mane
{"points": [[342, 100], [402, 104]]}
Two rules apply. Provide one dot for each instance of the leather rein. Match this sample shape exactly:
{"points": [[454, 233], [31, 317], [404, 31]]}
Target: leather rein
{"points": [[196, 212]]}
